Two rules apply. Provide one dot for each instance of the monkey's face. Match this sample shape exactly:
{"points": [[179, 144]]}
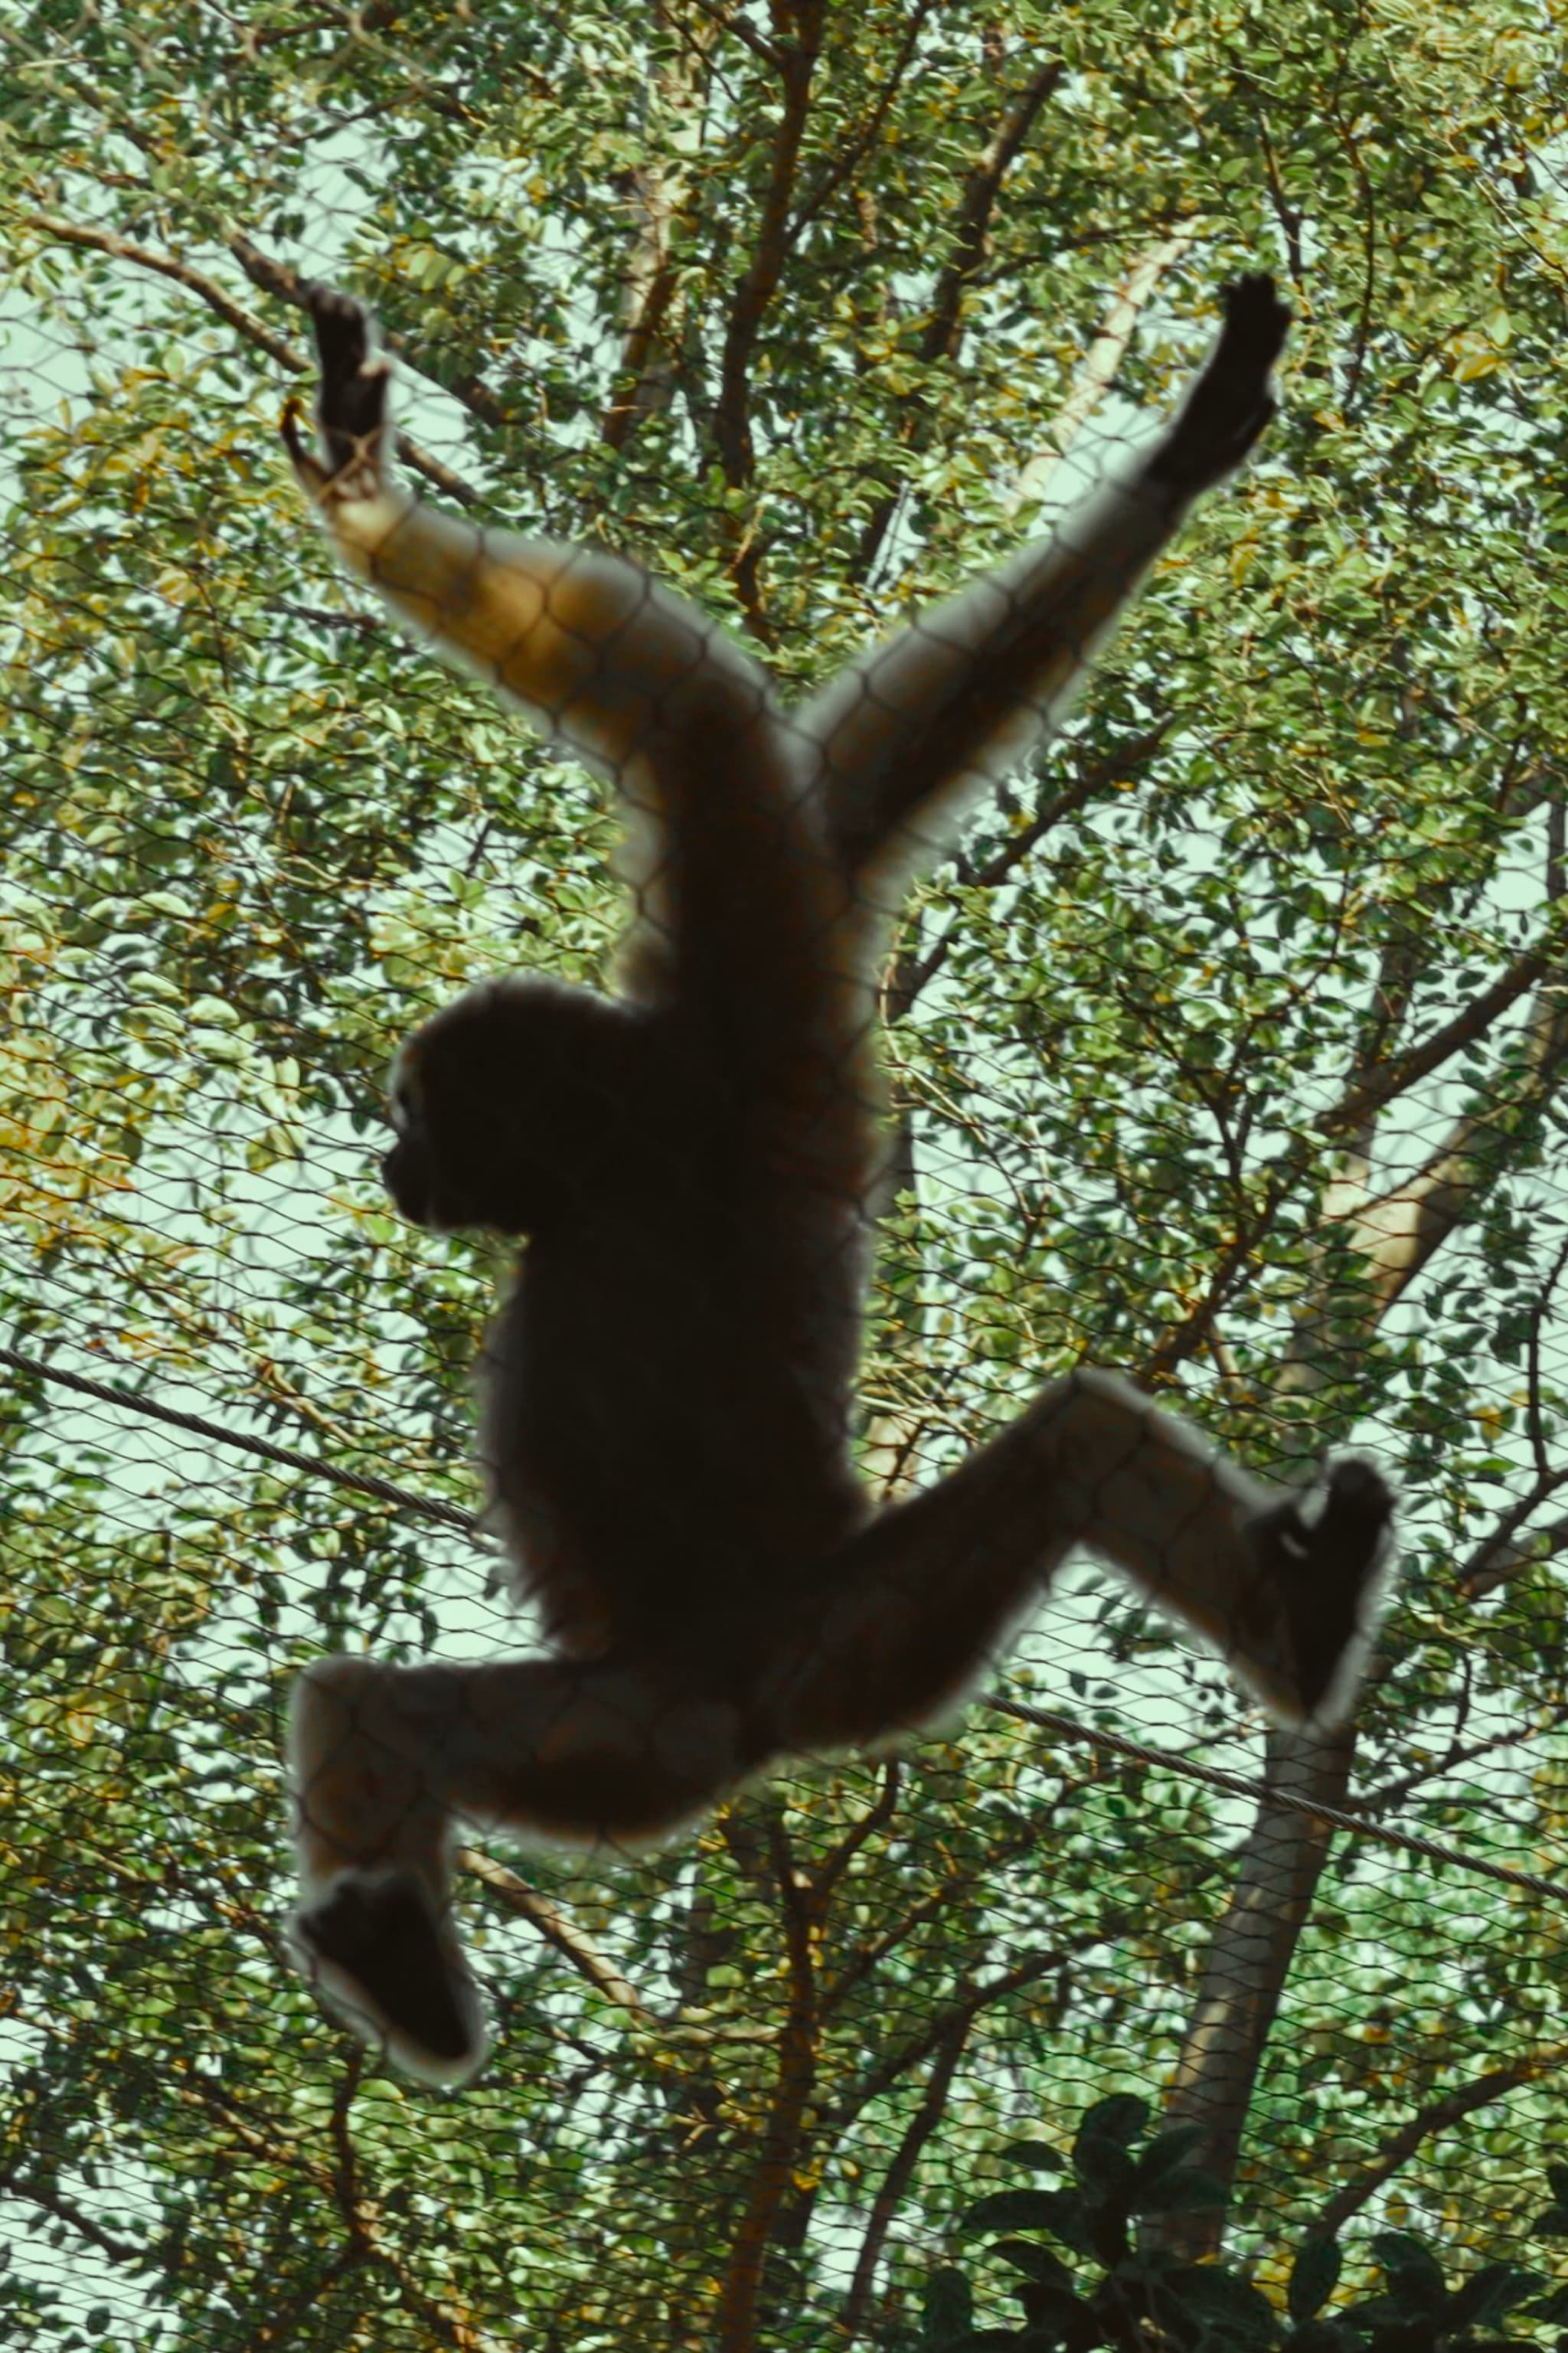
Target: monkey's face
{"points": [[513, 1108], [409, 1170], [450, 1166]]}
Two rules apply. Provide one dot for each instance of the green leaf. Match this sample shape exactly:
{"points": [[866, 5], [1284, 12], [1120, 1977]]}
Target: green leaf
{"points": [[1169, 2149], [1484, 2301], [1223, 2304], [1036, 2264], [947, 2308], [1187, 2190], [1055, 2211], [1116, 2121], [1414, 2276], [1314, 2275]]}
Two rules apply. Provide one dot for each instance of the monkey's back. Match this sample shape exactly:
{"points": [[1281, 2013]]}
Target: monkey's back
{"points": [[666, 1393]]}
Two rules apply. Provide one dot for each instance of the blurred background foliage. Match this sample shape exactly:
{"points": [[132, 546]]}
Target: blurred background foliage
{"points": [[1230, 1047]]}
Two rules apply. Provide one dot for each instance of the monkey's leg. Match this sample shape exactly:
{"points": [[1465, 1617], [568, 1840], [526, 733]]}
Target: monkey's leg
{"points": [[386, 1761], [1283, 1586]]}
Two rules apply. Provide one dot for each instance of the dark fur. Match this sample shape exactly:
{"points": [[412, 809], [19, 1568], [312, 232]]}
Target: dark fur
{"points": [[667, 1393]]}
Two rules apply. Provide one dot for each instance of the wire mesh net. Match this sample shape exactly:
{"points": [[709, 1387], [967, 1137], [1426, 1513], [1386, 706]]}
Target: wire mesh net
{"points": [[1220, 1041]]}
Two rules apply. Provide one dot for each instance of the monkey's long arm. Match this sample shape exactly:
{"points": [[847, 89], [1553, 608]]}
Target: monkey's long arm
{"points": [[604, 660], [640, 685], [952, 701]]}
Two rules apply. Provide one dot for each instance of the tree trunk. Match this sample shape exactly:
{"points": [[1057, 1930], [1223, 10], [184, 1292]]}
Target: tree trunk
{"points": [[1248, 1961]]}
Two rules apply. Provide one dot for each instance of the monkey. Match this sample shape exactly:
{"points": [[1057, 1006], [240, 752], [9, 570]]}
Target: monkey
{"points": [[690, 1164]]}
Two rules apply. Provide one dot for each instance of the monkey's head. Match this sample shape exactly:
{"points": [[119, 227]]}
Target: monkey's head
{"points": [[514, 1107]]}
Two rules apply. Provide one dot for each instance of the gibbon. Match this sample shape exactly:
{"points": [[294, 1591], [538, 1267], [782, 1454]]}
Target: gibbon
{"points": [[666, 1393]]}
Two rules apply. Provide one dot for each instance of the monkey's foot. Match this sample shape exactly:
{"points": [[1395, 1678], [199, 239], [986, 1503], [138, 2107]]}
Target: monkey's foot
{"points": [[1231, 402], [374, 1947], [1325, 1551]]}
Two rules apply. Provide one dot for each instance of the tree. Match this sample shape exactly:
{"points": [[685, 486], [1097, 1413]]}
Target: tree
{"points": [[1229, 1049]]}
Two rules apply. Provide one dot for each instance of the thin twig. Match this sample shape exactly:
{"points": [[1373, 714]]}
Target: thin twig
{"points": [[896, 2180], [288, 1458]]}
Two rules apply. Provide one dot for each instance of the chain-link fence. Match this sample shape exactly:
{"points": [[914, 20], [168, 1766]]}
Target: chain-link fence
{"points": [[1220, 1041]]}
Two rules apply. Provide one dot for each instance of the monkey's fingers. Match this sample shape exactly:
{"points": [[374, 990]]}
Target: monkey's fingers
{"points": [[312, 473], [1231, 400], [342, 329], [385, 1958], [351, 407]]}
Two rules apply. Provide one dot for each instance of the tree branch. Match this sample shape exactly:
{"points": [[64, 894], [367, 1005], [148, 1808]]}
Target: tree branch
{"points": [[796, 2079], [1435, 2117], [282, 2322], [1248, 1958], [1377, 1087], [852, 2320], [182, 273], [796, 63], [1097, 371], [48, 2200], [649, 292], [1115, 768], [875, 1818], [1499, 1556], [1180, 1340], [556, 1927], [970, 238], [276, 279], [1401, 1232], [973, 229], [728, 21], [864, 140], [1396, 1236], [961, 2013], [339, 2182]]}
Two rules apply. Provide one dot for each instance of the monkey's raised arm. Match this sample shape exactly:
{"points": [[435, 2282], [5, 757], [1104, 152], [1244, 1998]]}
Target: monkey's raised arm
{"points": [[642, 686], [954, 700], [606, 661]]}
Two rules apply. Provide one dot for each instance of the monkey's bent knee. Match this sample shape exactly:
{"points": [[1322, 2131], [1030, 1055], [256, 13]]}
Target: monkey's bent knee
{"points": [[370, 1766], [350, 1693], [341, 1679], [1088, 1388]]}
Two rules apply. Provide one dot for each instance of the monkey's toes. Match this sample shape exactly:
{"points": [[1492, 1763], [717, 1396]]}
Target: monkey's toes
{"points": [[379, 1930]]}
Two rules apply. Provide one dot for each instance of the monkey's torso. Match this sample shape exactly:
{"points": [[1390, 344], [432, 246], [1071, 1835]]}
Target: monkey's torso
{"points": [[665, 1393]]}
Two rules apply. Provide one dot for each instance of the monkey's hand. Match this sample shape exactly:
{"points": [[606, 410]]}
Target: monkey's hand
{"points": [[1326, 1561], [1231, 400], [351, 404]]}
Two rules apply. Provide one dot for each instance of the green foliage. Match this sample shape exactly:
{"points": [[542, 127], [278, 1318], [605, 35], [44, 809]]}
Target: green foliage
{"points": [[1302, 838], [1117, 2289]]}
